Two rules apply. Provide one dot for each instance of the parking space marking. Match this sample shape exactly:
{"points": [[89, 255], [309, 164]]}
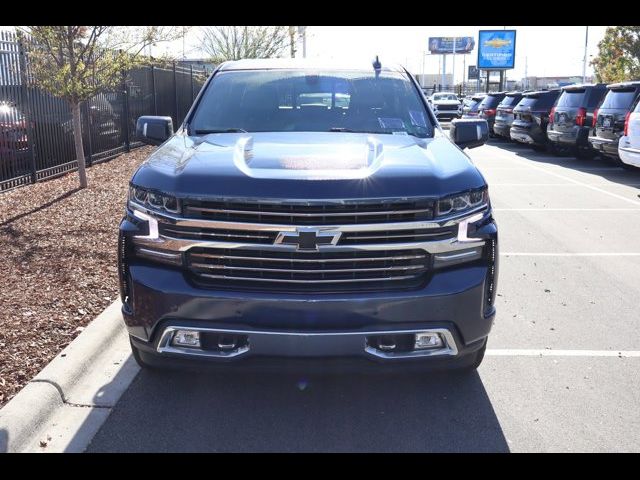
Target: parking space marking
{"points": [[566, 209], [577, 182], [569, 254], [613, 184], [520, 352]]}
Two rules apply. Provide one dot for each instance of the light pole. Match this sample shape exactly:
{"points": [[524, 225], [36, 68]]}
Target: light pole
{"points": [[584, 62], [453, 73], [302, 31]]}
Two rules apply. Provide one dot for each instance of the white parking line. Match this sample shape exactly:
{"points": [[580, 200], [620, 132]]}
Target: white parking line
{"points": [[577, 182], [516, 352], [533, 185], [566, 209], [586, 254]]}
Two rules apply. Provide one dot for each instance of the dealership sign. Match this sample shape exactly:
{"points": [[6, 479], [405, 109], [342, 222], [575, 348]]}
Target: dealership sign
{"points": [[446, 44], [496, 49]]}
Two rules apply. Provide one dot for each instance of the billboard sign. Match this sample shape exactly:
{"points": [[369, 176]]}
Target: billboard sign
{"points": [[445, 44], [473, 72], [496, 49]]}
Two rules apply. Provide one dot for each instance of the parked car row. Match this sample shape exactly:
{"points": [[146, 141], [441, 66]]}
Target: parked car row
{"points": [[583, 119]]}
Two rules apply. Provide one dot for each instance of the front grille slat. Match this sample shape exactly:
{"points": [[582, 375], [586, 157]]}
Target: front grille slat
{"points": [[220, 267], [300, 270], [292, 214], [299, 260], [347, 213], [353, 280]]}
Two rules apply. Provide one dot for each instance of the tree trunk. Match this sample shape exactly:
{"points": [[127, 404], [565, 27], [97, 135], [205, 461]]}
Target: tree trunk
{"points": [[77, 137]]}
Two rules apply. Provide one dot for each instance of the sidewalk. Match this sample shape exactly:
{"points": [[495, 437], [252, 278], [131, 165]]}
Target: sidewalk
{"points": [[62, 408]]}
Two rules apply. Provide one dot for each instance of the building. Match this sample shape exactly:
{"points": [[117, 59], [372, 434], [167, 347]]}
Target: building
{"points": [[429, 79], [535, 83]]}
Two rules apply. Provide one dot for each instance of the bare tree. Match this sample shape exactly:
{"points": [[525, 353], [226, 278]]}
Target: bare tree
{"points": [[77, 62], [234, 42]]}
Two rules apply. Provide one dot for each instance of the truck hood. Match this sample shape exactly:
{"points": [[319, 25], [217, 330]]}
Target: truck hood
{"points": [[308, 165]]}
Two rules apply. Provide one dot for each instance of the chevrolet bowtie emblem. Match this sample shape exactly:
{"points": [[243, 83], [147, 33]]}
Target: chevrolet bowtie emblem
{"points": [[308, 239]]}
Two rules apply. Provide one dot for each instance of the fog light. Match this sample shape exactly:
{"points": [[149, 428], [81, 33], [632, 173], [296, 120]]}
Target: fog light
{"points": [[186, 338], [427, 340]]}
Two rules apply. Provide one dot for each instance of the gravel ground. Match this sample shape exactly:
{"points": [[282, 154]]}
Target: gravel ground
{"points": [[58, 261]]}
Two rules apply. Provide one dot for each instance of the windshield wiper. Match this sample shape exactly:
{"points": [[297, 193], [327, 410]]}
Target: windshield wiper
{"points": [[224, 130]]}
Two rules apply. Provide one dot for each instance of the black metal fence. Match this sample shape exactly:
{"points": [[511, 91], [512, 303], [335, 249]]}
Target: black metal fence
{"points": [[36, 131]]}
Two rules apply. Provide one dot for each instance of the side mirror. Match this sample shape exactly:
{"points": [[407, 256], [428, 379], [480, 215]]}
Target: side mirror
{"points": [[469, 133], [154, 130]]}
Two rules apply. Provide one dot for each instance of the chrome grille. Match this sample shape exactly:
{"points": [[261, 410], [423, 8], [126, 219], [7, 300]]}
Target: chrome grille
{"points": [[217, 234], [265, 237], [357, 270], [316, 214], [447, 107], [398, 236]]}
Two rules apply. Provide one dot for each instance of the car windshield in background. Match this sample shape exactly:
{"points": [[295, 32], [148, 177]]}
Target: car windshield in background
{"points": [[619, 99], [571, 98], [445, 97], [304, 101]]}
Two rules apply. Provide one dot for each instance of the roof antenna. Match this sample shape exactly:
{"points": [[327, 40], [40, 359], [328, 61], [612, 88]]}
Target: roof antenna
{"points": [[377, 66]]}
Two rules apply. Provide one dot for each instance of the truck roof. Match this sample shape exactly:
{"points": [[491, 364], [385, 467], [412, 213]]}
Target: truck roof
{"points": [[304, 64]]}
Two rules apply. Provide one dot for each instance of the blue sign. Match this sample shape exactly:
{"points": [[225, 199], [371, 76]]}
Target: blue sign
{"points": [[446, 44], [496, 49]]}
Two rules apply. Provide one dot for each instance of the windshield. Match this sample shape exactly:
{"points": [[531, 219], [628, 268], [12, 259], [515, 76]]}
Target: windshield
{"points": [[304, 101], [571, 98], [619, 99], [445, 96]]}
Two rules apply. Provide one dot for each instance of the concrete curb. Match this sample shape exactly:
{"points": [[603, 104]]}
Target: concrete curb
{"points": [[63, 406]]}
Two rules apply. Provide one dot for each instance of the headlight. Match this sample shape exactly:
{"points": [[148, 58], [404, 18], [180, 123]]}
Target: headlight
{"points": [[463, 202], [154, 200]]}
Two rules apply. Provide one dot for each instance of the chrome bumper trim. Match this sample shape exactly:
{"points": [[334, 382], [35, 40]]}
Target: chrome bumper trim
{"points": [[311, 343]]}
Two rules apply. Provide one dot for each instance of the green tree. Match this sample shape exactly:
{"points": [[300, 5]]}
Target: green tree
{"points": [[77, 62], [235, 43], [618, 55]]}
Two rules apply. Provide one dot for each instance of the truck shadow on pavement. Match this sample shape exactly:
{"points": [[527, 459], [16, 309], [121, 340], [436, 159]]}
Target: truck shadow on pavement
{"points": [[257, 412]]}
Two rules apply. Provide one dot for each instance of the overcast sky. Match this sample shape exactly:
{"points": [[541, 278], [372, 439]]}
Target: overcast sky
{"points": [[547, 51]]}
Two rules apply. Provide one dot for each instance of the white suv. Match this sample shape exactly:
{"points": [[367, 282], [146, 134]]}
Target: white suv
{"points": [[446, 105], [629, 146]]}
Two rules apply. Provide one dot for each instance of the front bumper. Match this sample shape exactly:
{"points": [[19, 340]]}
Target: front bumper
{"points": [[456, 302], [446, 114]]}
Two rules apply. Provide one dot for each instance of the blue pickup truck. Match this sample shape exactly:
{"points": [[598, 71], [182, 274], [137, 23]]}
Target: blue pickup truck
{"points": [[309, 214]]}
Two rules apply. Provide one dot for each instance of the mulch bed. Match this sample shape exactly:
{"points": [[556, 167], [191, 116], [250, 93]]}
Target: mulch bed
{"points": [[58, 261]]}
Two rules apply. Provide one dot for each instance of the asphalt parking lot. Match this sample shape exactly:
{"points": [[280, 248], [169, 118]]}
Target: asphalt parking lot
{"points": [[562, 372]]}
